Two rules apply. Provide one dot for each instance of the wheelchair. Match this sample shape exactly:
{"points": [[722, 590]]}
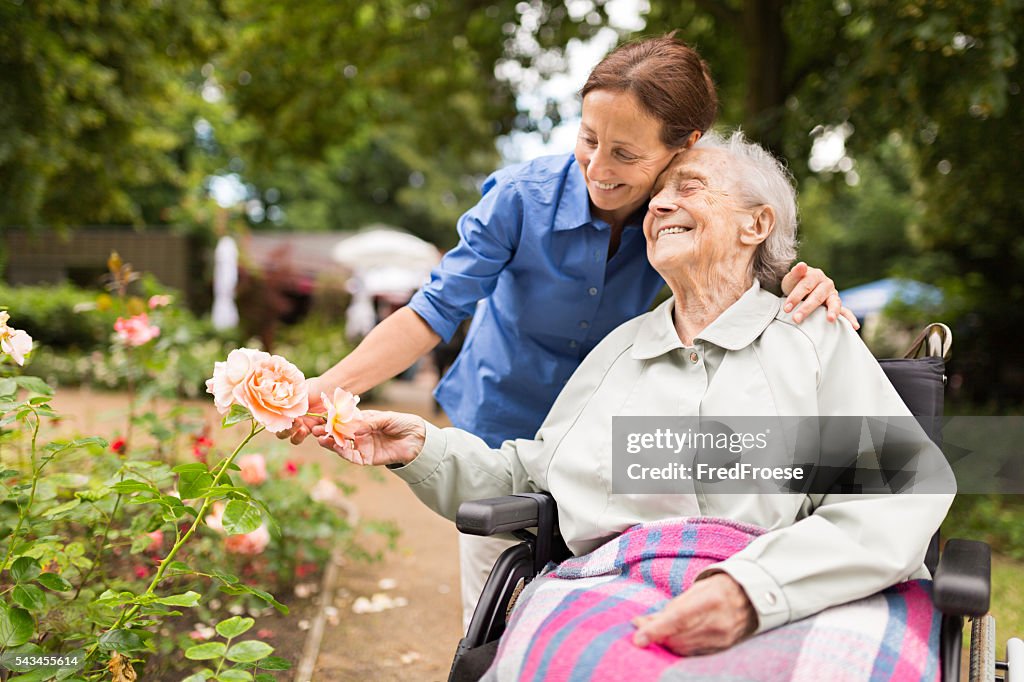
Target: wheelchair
{"points": [[961, 572]]}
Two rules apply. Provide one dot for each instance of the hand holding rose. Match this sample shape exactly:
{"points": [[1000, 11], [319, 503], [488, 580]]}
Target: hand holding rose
{"points": [[376, 438]]}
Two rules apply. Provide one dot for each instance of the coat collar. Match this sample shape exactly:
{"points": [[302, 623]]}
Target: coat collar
{"points": [[739, 326]]}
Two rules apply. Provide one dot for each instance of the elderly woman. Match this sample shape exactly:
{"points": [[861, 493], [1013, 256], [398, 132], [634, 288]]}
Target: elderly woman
{"points": [[721, 226]]}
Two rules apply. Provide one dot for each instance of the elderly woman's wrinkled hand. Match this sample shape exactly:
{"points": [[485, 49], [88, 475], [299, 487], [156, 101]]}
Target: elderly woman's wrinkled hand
{"points": [[712, 615], [809, 288], [378, 438]]}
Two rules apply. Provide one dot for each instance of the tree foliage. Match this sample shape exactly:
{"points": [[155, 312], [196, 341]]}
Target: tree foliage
{"points": [[93, 104]]}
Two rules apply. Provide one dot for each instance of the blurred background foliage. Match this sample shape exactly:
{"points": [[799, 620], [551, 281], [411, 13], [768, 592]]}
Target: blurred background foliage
{"points": [[330, 114]]}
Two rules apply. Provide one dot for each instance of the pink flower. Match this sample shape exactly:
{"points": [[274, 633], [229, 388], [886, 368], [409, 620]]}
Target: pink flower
{"points": [[141, 572], [289, 469], [14, 342], [136, 330], [270, 387], [215, 519], [159, 301], [156, 541], [119, 445], [249, 544], [253, 469], [201, 447], [342, 415]]}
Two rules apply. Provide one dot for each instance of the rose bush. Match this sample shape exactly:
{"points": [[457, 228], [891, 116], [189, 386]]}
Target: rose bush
{"points": [[102, 549]]}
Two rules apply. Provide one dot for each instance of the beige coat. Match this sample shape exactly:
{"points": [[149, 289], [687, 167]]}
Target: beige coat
{"points": [[821, 550]]}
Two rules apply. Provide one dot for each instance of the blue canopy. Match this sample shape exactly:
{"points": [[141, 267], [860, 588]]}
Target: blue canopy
{"points": [[873, 297]]}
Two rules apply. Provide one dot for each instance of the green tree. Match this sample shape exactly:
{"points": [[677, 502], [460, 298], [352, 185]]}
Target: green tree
{"points": [[382, 111], [91, 102]]}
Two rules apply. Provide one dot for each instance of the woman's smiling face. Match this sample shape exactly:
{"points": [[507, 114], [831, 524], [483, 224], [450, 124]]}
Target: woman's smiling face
{"points": [[620, 152]]}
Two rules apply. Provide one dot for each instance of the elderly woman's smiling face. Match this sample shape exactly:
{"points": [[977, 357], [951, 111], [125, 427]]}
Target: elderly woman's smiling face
{"points": [[696, 216]]}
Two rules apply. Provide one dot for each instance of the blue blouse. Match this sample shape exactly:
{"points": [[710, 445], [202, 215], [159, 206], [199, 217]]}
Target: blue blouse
{"points": [[536, 260]]}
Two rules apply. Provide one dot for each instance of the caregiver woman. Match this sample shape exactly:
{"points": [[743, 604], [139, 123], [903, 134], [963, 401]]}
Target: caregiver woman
{"points": [[555, 251]]}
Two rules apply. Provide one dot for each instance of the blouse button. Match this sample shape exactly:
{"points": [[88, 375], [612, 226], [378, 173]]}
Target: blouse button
{"points": [[694, 357], [770, 598], [592, 291]]}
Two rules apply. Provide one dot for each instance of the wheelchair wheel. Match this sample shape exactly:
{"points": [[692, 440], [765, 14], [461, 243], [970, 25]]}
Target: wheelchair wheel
{"points": [[983, 649]]}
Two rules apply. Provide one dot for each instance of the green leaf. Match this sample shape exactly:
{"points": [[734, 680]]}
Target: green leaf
{"points": [[191, 466], [61, 508], [34, 385], [188, 599], [275, 663], [249, 652], [241, 516], [235, 415], [235, 675], [130, 485], [206, 651], [121, 640], [192, 484], [25, 568], [234, 626], [8, 387], [54, 582], [178, 567], [29, 596], [16, 626], [264, 677], [242, 588], [201, 676]]}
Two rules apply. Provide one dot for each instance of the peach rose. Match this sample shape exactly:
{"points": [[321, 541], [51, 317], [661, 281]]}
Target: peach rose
{"points": [[270, 387], [253, 469], [14, 342], [342, 415], [215, 519], [248, 543], [136, 330]]}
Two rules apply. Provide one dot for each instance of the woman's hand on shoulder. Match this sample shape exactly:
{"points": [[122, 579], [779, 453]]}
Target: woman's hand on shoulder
{"points": [[712, 615], [806, 288], [378, 438]]}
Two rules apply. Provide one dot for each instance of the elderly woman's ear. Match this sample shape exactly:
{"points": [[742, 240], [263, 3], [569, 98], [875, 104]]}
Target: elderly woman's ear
{"points": [[761, 225]]}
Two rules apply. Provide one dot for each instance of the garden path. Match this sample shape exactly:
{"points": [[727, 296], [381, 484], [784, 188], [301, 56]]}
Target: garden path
{"points": [[410, 642]]}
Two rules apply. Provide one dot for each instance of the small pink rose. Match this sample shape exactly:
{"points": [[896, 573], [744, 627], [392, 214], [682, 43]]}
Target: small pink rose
{"points": [[136, 330], [270, 387], [156, 541], [249, 544], [14, 342], [159, 301], [215, 519], [342, 415], [289, 469], [253, 469]]}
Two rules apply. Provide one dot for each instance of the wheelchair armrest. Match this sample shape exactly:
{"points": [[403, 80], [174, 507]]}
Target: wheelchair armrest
{"points": [[516, 513], [504, 514], [963, 579]]}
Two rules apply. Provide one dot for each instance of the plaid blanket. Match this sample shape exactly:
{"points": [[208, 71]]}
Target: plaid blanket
{"points": [[574, 622]]}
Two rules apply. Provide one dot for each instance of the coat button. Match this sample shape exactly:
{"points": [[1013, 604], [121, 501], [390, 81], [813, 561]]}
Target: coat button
{"points": [[694, 357], [770, 598]]}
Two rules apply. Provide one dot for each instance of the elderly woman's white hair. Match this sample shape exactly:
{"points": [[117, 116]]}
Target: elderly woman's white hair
{"points": [[763, 180]]}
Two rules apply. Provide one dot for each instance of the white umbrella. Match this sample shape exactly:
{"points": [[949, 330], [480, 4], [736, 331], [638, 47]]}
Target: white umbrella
{"points": [[386, 248]]}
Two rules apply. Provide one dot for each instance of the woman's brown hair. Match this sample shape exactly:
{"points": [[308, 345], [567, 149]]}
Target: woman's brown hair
{"points": [[670, 80]]}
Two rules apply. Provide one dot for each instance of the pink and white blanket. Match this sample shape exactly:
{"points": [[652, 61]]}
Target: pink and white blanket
{"points": [[574, 622]]}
